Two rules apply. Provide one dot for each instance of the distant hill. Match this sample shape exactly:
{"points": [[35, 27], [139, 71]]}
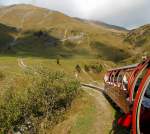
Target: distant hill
{"points": [[139, 36], [109, 26], [103, 24], [46, 33]]}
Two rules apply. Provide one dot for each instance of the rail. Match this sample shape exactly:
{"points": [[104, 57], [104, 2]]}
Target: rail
{"points": [[93, 86]]}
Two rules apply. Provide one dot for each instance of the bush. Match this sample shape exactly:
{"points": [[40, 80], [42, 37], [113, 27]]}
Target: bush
{"points": [[78, 68], [39, 94], [96, 68], [86, 68]]}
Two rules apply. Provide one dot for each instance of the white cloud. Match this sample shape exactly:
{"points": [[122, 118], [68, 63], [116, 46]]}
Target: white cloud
{"points": [[127, 13]]}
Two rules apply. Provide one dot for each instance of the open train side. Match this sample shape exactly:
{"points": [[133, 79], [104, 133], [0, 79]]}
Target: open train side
{"points": [[129, 88]]}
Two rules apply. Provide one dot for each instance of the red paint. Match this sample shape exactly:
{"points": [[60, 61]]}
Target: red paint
{"points": [[136, 102], [133, 77], [125, 121]]}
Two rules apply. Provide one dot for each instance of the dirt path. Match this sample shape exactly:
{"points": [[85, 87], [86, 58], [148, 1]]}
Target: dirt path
{"points": [[104, 112], [21, 63], [92, 114]]}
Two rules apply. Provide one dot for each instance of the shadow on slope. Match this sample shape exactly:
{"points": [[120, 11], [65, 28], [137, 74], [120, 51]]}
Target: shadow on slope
{"points": [[42, 44], [109, 52], [14, 42], [6, 37], [39, 44]]}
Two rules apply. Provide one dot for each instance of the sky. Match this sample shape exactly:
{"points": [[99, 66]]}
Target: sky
{"points": [[127, 13]]}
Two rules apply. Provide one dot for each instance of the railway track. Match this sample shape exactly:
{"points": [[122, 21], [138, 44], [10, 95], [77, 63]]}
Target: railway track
{"points": [[93, 87], [100, 89]]}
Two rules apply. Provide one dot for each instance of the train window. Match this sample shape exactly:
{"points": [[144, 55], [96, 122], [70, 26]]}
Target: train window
{"points": [[112, 78], [125, 82], [116, 76], [120, 77], [143, 115]]}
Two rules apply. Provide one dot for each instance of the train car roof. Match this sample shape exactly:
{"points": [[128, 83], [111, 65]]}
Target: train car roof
{"points": [[125, 67]]}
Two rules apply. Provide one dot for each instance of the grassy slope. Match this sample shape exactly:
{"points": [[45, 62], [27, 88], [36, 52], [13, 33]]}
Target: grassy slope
{"points": [[10, 66], [139, 36], [81, 117], [140, 39], [59, 26], [87, 116]]}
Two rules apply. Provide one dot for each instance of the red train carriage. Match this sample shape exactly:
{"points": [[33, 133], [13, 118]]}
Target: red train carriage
{"points": [[129, 88]]}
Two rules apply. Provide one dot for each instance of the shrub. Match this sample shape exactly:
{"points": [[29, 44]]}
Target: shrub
{"points": [[39, 94], [86, 68], [96, 68], [78, 68]]}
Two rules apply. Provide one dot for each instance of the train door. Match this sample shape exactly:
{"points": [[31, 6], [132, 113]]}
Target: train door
{"points": [[141, 108]]}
